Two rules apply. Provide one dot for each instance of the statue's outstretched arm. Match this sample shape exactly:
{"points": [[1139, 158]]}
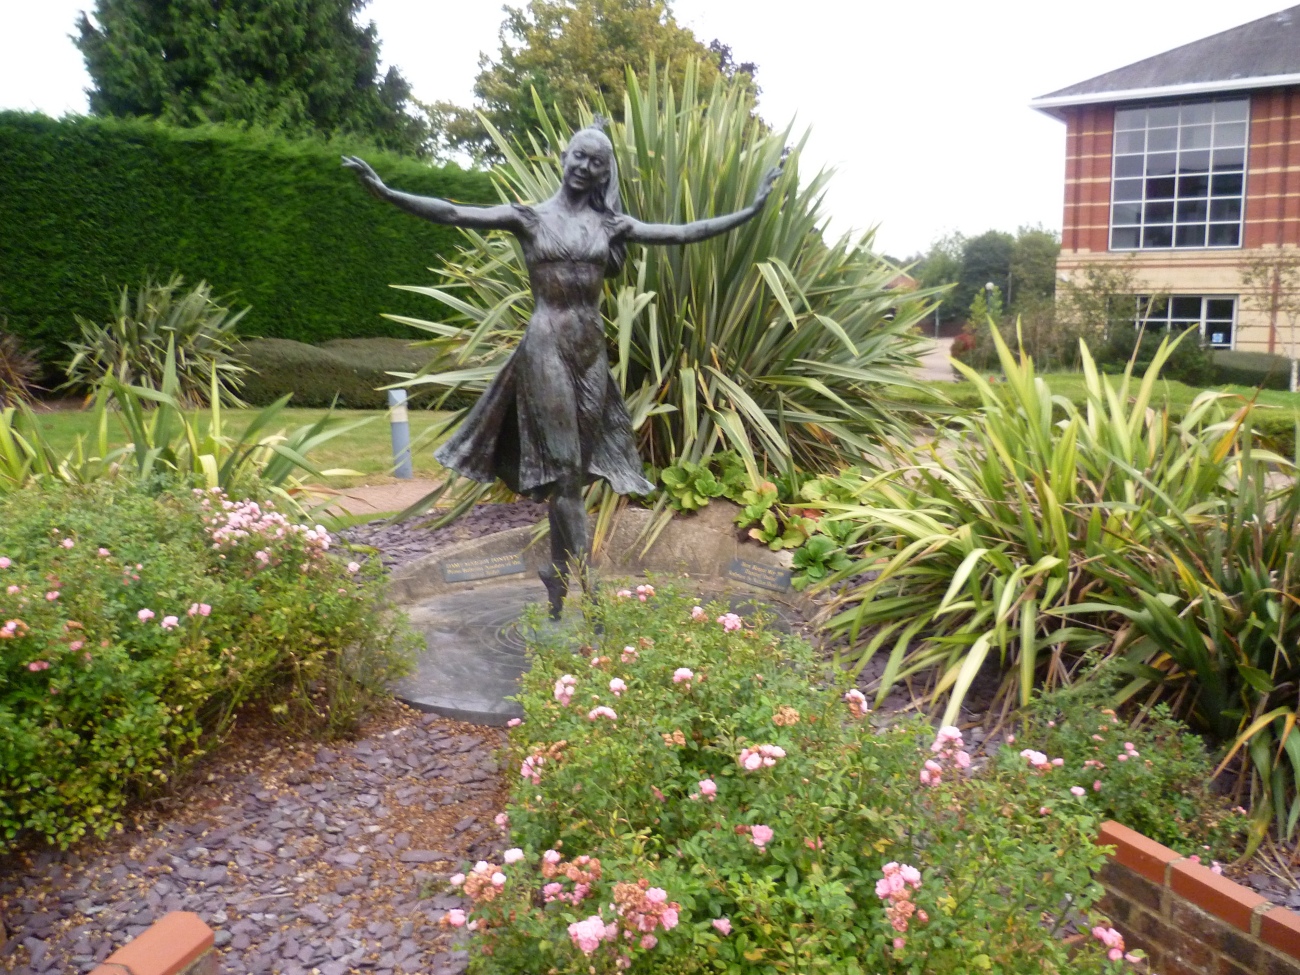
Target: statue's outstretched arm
{"points": [[431, 208], [688, 233]]}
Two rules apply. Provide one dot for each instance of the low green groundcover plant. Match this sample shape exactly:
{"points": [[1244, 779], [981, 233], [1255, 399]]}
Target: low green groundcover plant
{"points": [[689, 800], [134, 624]]}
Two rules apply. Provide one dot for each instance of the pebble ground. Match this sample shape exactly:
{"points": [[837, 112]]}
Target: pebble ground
{"points": [[306, 860]]}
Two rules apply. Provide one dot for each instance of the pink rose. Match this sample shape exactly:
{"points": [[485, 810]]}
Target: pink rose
{"points": [[730, 622], [551, 856], [648, 941], [104, 553], [457, 879], [52, 595], [514, 722], [708, 788], [513, 856], [67, 543], [1077, 790], [169, 622], [618, 686], [698, 614], [761, 835], [682, 674], [668, 918], [456, 917], [144, 614], [354, 567], [722, 925], [4, 562]]}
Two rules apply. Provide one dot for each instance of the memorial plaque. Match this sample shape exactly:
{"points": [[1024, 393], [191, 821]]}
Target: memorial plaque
{"points": [[759, 574], [487, 567]]}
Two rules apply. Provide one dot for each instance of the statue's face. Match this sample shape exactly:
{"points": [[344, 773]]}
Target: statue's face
{"points": [[586, 162]]}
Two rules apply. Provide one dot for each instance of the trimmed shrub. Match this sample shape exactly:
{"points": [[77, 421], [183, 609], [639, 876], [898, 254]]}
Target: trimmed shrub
{"points": [[127, 643], [1252, 369], [1190, 362], [351, 369], [91, 203]]}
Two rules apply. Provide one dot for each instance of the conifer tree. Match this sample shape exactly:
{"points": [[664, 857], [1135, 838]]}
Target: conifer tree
{"points": [[297, 66]]}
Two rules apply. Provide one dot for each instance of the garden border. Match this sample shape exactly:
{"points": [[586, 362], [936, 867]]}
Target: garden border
{"points": [[178, 943], [1188, 919]]}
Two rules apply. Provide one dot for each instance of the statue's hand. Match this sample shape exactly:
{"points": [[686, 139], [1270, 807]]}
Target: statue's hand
{"points": [[765, 188], [368, 177]]}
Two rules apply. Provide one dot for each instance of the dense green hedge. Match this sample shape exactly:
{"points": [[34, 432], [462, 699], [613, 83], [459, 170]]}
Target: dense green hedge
{"points": [[89, 204], [1252, 369], [351, 369]]}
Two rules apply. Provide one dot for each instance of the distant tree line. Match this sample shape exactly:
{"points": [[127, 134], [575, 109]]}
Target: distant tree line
{"points": [[310, 67]]}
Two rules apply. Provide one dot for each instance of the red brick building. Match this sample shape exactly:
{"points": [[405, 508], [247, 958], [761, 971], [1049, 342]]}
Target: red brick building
{"points": [[1185, 167]]}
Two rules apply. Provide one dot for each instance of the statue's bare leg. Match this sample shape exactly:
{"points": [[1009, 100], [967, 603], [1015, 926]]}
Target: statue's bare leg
{"points": [[570, 548]]}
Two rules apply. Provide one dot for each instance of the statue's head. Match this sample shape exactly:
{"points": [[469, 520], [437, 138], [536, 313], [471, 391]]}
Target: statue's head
{"points": [[590, 169]]}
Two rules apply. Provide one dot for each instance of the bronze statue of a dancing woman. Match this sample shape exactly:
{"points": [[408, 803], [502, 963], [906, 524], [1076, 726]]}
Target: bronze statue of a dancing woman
{"points": [[553, 419]]}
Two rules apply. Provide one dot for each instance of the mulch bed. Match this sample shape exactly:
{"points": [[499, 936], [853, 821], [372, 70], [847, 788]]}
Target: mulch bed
{"points": [[305, 858]]}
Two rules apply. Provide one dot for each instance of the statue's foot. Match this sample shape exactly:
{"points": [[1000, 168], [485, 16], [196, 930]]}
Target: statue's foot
{"points": [[556, 590]]}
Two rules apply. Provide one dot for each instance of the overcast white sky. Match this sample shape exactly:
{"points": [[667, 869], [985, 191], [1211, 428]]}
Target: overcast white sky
{"points": [[920, 106]]}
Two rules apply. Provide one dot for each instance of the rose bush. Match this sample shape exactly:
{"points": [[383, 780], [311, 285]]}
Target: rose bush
{"points": [[1151, 774], [133, 625], [736, 817]]}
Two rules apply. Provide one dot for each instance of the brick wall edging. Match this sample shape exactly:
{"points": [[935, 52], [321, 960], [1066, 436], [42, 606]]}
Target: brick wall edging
{"points": [[1230, 902], [178, 943]]}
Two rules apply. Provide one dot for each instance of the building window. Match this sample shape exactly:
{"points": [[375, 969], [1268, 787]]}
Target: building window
{"points": [[1179, 175], [1216, 314]]}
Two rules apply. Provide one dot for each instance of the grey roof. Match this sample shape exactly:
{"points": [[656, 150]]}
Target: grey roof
{"points": [[1264, 48]]}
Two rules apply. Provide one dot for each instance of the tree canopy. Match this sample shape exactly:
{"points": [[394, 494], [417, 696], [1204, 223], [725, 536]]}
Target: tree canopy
{"points": [[293, 66], [571, 52]]}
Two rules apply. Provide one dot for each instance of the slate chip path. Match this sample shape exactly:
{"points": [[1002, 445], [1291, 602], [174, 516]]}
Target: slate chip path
{"points": [[307, 860]]}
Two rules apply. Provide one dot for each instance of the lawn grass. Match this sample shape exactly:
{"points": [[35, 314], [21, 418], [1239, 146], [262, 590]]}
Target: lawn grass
{"points": [[366, 450], [1178, 396]]}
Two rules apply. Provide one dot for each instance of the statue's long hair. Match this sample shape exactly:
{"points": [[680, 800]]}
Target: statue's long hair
{"points": [[605, 198]]}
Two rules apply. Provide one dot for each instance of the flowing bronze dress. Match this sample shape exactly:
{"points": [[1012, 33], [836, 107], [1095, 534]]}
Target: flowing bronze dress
{"points": [[554, 412]]}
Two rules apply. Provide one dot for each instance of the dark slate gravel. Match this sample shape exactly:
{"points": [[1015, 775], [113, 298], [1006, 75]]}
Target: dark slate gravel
{"points": [[405, 542], [325, 860]]}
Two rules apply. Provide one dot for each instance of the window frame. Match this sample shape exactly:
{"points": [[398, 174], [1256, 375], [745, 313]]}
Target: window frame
{"points": [[1176, 203], [1165, 320]]}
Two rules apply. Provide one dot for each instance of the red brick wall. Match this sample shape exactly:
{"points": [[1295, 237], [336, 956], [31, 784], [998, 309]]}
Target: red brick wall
{"points": [[1273, 169], [1189, 920], [1089, 139]]}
